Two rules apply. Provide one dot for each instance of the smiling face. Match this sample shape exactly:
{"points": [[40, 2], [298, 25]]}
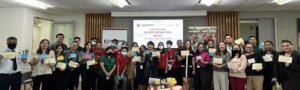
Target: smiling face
{"points": [[287, 47], [222, 46]]}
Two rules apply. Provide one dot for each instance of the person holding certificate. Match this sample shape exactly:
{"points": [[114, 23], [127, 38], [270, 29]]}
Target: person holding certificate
{"points": [[187, 67], [289, 66], [220, 70], [254, 69], [270, 57], [60, 75], [162, 65], [108, 66], [11, 63], [202, 73], [152, 59], [173, 64], [237, 66], [87, 60], [141, 80], [41, 71], [72, 55]]}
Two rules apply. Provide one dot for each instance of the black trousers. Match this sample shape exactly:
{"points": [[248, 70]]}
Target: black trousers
{"points": [[41, 80], [175, 73], [203, 79], [73, 78], [12, 81], [88, 77], [59, 80], [105, 84]]}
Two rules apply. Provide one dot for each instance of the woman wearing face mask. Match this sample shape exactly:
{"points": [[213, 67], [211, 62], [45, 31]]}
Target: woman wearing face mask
{"points": [[237, 66], [140, 69], [74, 71], [220, 70], [108, 66], [122, 63], [41, 71], [162, 66], [173, 65], [152, 58], [202, 72], [255, 76], [289, 72], [87, 71], [60, 75], [270, 57], [187, 67]]}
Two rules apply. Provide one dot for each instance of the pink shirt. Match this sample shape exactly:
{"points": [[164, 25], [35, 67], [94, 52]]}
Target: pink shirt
{"points": [[205, 57]]}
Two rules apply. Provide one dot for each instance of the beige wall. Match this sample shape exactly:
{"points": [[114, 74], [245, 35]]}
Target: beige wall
{"points": [[285, 24]]}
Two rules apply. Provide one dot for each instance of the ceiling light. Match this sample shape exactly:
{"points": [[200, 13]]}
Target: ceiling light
{"points": [[35, 3], [209, 2], [120, 3], [281, 2]]}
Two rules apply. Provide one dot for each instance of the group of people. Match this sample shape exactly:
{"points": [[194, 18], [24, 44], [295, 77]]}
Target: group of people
{"points": [[214, 65]]}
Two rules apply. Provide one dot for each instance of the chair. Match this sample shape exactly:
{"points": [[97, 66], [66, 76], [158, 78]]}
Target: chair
{"points": [[26, 79]]}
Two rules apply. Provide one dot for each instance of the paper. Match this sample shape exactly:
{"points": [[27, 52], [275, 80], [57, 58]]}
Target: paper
{"points": [[198, 57], [232, 65], [155, 53], [61, 65], [91, 62], [135, 49], [87, 56], [60, 58], [185, 53], [267, 58], [9, 55], [218, 60], [212, 50], [250, 61], [73, 64], [50, 61], [257, 66], [285, 59], [239, 41], [136, 59], [73, 55]]}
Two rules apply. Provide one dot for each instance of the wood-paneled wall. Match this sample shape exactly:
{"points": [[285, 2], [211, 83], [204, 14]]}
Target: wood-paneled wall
{"points": [[95, 23], [226, 22]]}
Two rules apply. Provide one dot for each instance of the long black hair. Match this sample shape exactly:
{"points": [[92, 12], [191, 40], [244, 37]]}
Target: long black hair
{"points": [[84, 49], [204, 48], [233, 53], [39, 51], [63, 49], [163, 50], [218, 52], [184, 46]]}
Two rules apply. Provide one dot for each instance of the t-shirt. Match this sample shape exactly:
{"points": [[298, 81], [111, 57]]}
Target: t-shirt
{"points": [[122, 62], [108, 64], [190, 59], [163, 62]]}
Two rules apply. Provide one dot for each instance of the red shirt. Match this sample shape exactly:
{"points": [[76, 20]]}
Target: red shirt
{"points": [[99, 52], [163, 62], [172, 57], [122, 62]]}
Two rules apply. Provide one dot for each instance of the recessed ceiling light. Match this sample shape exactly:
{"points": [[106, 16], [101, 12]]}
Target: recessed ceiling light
{"points": [[34, 3], [120, 3]]}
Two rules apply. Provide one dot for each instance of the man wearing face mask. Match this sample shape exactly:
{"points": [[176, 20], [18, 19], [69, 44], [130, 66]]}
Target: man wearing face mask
{"points": [[94, 42], [11, 62], [122, 64], [59, 40]]}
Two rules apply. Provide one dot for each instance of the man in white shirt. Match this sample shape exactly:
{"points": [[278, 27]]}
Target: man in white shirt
{"points": [[11, 66]]}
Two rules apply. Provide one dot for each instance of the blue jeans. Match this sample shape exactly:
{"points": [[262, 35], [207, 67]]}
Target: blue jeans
{"points": [[123, 82]]}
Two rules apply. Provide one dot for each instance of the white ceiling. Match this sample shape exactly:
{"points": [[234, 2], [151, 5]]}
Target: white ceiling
{"points": [[68, 7]]}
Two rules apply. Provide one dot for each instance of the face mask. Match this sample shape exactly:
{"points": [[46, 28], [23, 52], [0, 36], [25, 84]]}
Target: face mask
{"points": [[169, 46], [124, 53], [11, 45], [109, 53], [161, 47], [236, 51], [93, 43]]}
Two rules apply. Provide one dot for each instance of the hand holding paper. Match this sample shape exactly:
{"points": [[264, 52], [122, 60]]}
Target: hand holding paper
{"points": [[217, 60], [268, 58], [136, 59], [73, 64], [91, 62], [257, 66], [61, 66], [60, 58], [135, 49], [185, 53], [285, 59], [9, 55], [50, 61], [239, 41]]}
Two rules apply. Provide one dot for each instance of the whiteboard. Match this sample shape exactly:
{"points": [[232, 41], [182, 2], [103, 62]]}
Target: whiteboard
{"points": [[110, 34]]}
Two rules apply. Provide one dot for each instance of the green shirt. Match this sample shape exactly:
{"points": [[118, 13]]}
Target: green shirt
{"points": [[108, 64], [80, 49]]}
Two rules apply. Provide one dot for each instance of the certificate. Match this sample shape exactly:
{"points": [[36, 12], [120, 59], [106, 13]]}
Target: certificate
{"points": [[155, 53], [61, 65], [50, 61], [198, 57], [212, 50], [239, 41], [268, 58], [135, 49], [90, 62], [232, 65], [218, 60], [257, 66], [9, 55], [60, 58], [73, 64], [136, 59], [250, 61], [285, 59], [185, 53]]}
